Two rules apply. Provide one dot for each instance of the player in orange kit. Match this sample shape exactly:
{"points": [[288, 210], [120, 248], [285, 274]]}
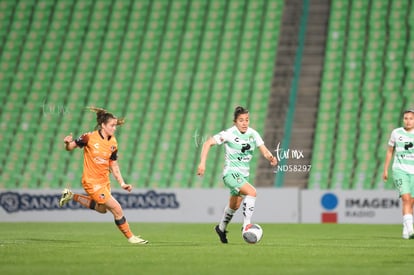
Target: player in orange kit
{"points": [[100, 158]]}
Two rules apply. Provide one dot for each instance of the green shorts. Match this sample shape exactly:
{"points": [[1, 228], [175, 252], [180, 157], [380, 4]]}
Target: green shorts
{"points": [[234, 181], [403, 182]]}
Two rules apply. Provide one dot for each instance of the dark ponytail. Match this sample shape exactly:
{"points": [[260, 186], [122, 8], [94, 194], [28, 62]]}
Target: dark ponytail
{"points": [[102, 116], [239, 111]]}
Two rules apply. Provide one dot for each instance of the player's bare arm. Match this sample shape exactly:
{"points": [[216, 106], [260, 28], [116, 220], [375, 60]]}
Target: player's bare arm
{"points": [[204, 153], [70, 144], [268, 155], [116, 172], [388, 157]]}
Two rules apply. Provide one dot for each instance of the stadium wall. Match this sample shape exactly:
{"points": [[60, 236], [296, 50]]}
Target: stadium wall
{"points": [[274, 205]]}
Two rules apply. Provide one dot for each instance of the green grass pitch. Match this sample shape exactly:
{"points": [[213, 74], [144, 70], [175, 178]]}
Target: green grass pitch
{"points": [[99, 248]]}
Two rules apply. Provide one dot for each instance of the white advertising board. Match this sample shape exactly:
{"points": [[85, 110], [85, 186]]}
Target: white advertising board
{"points": [[353, 206], [273, 205], [160, 205]]}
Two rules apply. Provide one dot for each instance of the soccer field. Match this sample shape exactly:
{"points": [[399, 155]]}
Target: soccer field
{"points": [[99, 248]]}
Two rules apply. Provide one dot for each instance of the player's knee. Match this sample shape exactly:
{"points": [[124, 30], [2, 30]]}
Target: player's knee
{"points": [[406, 199], [100, 208], [117, 212], [251, 192], [248, 190]]}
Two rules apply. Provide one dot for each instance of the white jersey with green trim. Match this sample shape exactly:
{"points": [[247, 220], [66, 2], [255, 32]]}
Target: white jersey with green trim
{"points": [[403, 142], [239, 148]]}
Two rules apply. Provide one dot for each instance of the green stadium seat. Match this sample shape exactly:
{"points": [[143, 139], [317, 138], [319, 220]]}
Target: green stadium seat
{"points": [[92, 53], [364, 92]]}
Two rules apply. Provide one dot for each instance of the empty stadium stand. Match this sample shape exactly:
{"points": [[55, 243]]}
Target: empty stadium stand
{"points": [[174, 69], [363, 92]]}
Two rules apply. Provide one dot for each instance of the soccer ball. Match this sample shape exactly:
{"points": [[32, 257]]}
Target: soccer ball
{"points": [[252, 233]]}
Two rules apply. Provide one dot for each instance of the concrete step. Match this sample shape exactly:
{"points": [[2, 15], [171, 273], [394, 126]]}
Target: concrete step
{"points": [[308, 89]]}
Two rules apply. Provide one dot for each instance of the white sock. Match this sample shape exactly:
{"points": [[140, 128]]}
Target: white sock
{"points": [[248, 209], [405, 231], [408, 223], [227, 216]]}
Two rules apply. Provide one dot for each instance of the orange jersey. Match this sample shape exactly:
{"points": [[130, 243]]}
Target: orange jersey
{"points": [[97, 156]]}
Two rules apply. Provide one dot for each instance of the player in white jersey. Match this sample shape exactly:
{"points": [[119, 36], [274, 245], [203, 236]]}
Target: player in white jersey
{"points": [[402, 144], [240, 142]]}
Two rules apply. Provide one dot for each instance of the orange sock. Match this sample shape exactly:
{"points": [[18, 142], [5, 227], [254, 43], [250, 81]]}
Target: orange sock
{"points": [[123, 226], [86, 201]]}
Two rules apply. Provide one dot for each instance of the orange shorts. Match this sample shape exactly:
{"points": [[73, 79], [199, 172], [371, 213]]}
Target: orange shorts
{"points": [[99, 193]]}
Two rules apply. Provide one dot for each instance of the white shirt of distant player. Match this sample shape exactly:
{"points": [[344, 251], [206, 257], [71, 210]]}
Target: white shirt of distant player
{"points": [[403, 142], [237, 159]]}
